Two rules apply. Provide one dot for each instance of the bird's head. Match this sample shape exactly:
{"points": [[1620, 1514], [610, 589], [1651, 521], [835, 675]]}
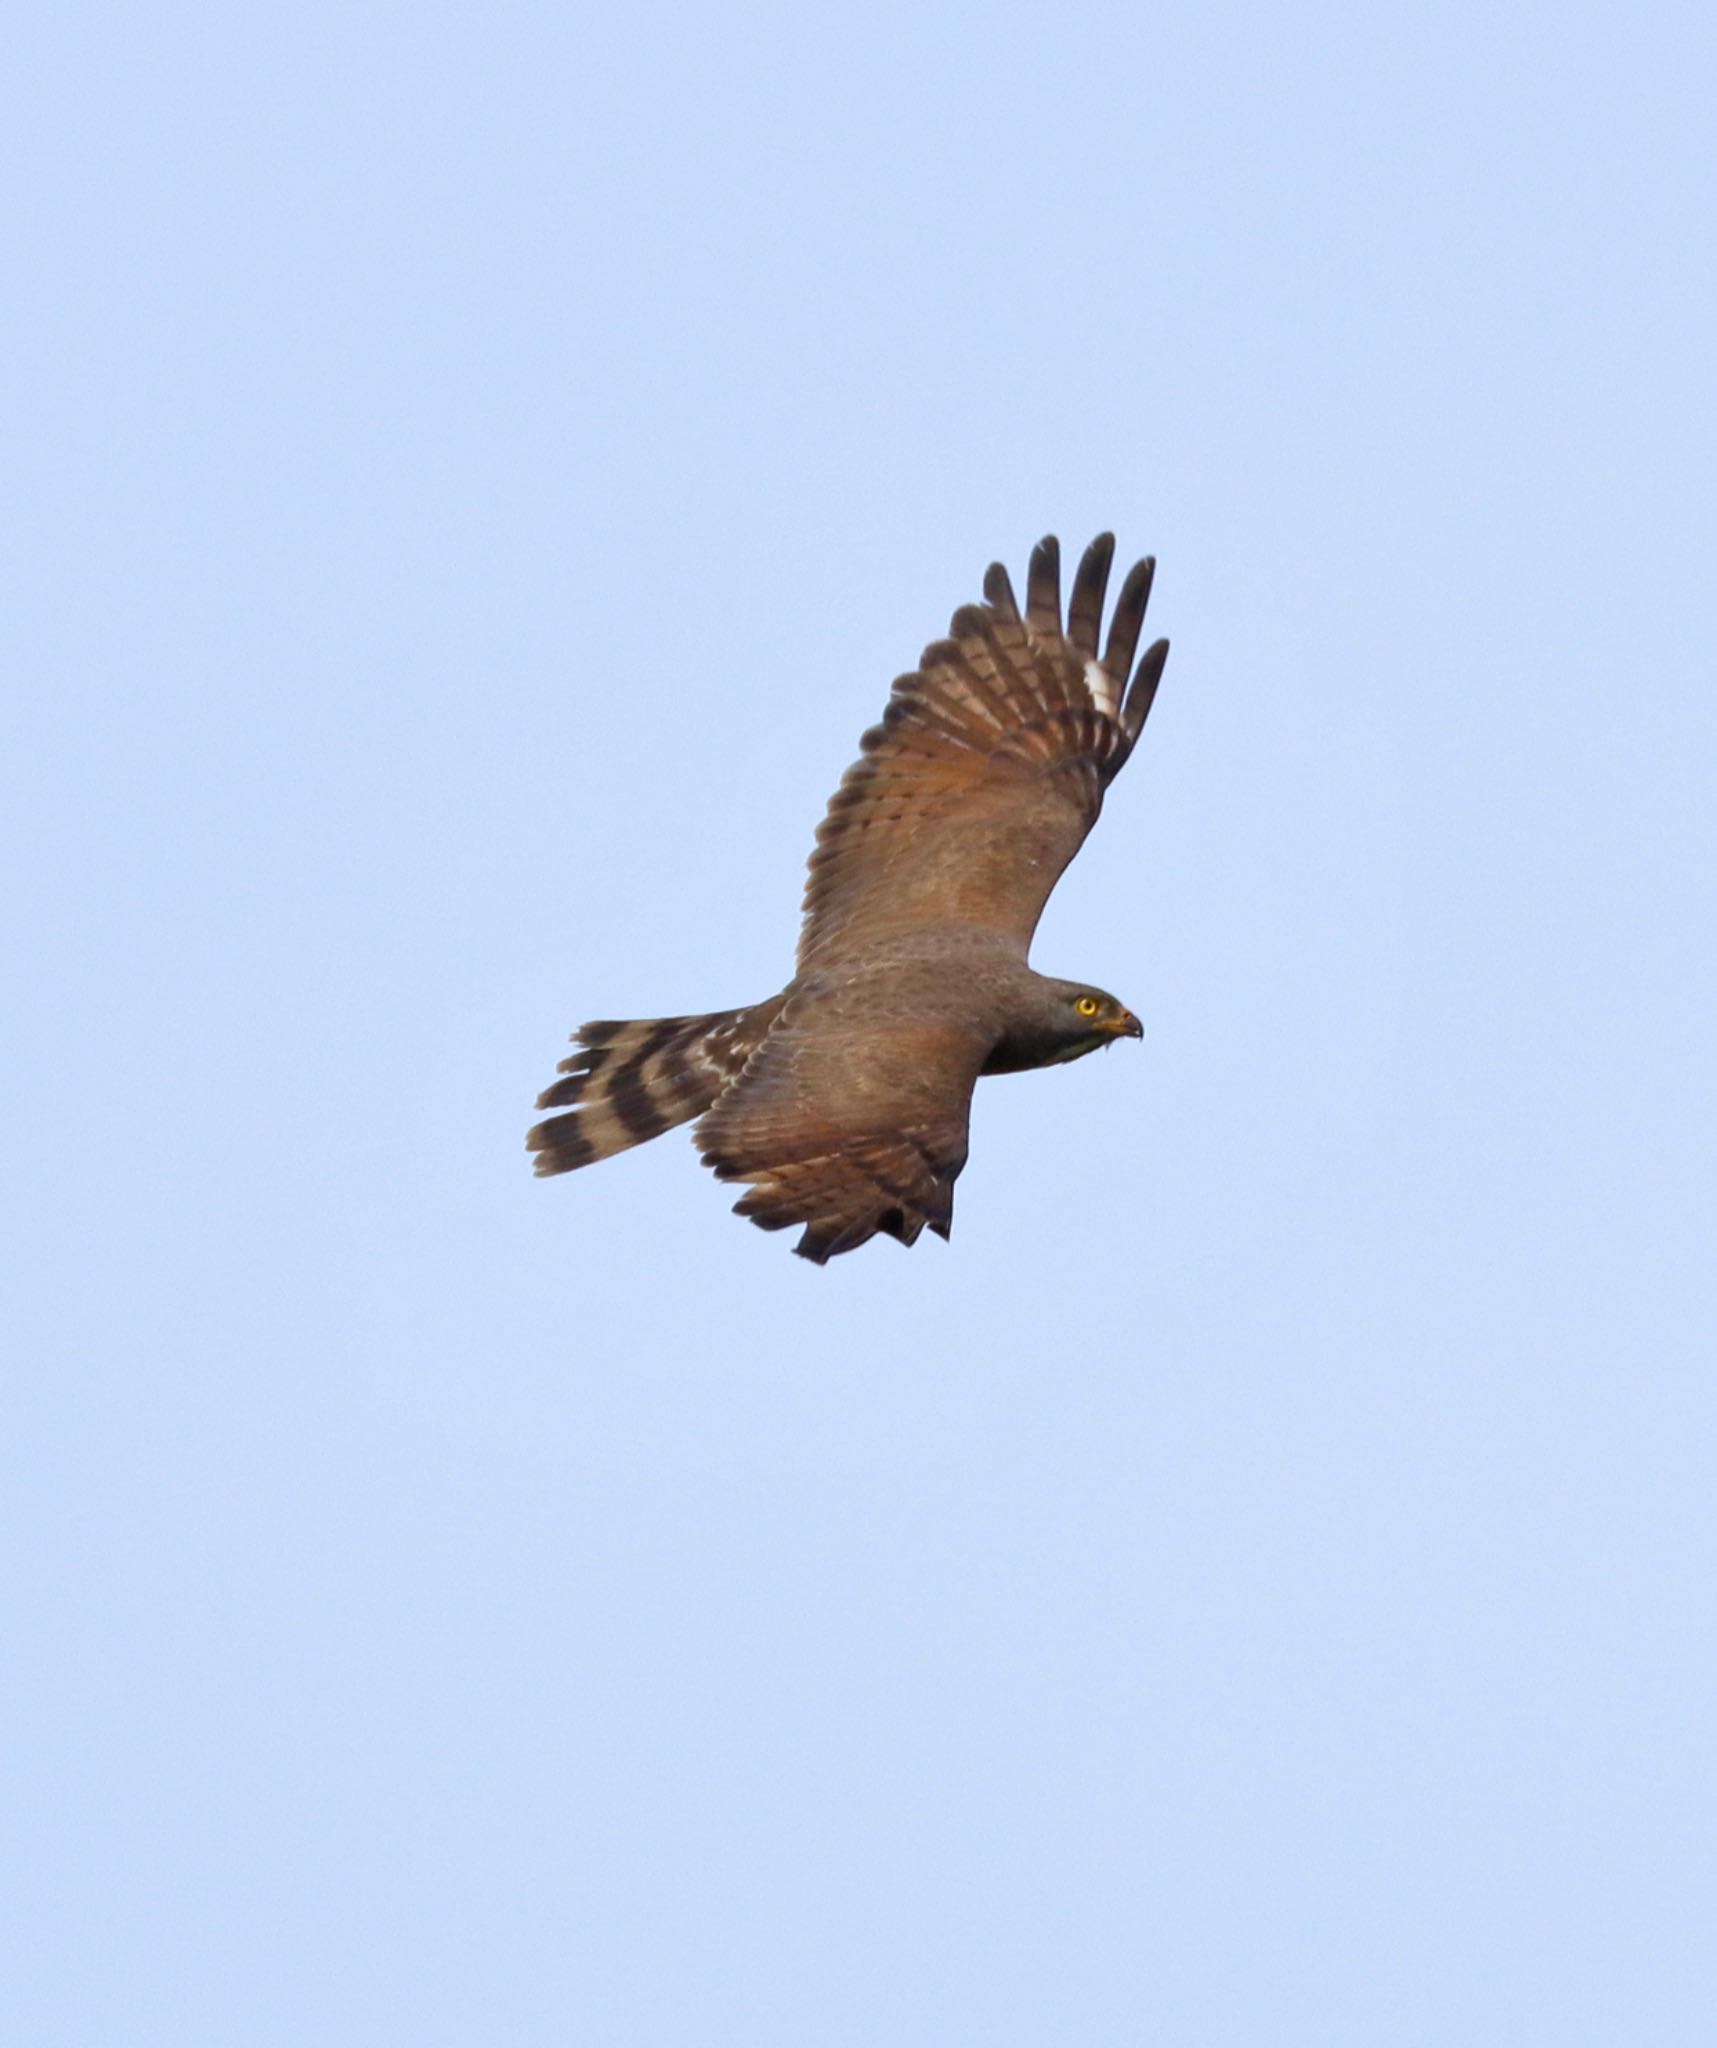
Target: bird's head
{"points": [[1098, 1018], [1073, 1019]]}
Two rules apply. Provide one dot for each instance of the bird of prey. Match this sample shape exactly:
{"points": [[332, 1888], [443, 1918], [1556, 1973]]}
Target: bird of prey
{"points": [[842, 1102]]}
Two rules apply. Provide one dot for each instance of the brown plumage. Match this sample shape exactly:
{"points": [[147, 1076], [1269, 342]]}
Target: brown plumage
{"points": [[843, 1101]]}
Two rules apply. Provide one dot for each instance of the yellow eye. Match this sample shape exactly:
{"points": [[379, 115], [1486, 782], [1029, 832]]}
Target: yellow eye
{"points": [[1088, 1006]]}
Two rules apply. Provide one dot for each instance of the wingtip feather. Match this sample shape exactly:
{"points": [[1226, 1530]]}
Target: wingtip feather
{"points": [[1043, 587], [1129, 618], [1142, 692], [1085, 606], [999, 591]]}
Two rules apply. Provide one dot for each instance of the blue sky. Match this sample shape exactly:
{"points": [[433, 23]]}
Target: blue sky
{"points": [[475, 473]]}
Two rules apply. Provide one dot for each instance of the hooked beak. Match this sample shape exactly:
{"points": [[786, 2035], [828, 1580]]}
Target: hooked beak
{"points": [[1128, 1026]]}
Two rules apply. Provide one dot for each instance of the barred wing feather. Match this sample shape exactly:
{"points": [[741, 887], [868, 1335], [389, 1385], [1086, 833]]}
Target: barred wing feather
{"points": [[988, 769]]}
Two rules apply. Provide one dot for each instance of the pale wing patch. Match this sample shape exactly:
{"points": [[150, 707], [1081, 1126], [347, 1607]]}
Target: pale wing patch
{"points": [[1105, 689]]}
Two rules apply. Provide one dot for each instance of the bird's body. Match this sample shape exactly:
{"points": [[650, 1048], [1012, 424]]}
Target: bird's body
{"points": [[843, 1100]]}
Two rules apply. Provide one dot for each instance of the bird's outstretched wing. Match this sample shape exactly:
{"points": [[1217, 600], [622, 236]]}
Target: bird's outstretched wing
{"points": [[847, 1130], [989, 766]]}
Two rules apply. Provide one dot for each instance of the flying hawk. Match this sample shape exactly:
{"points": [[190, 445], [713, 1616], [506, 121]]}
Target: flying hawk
{"points": [[843, 1101]]}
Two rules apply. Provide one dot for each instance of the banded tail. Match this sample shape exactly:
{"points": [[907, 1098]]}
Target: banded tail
{"points": [[630, 1082]]}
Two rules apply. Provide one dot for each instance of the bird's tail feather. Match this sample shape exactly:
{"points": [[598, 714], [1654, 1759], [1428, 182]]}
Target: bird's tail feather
{"points": [[629, 1082]]}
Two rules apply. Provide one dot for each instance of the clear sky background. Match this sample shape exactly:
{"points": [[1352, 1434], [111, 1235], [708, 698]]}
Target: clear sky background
{"points": [[473, 475]]}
